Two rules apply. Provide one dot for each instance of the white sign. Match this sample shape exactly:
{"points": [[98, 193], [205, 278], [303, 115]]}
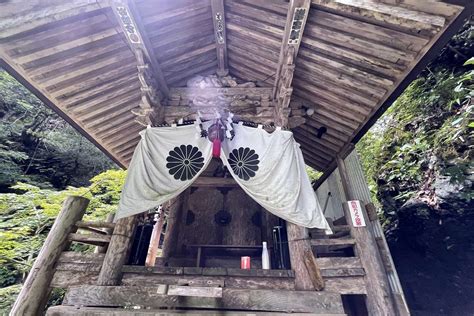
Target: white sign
{"points": [[356, 214]]}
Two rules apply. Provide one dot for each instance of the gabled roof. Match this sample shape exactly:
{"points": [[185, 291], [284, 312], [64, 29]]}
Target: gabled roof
{"points": [[353, 59]]}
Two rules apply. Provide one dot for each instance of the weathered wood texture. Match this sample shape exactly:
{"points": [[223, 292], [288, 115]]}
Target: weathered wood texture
{"points": [[298, 11], [98, 311], [76, 268], [35, 291], [118, 251], [298, 243], [313, 270], [379, 299], [204, 203], [75, 58], [234, 299], [175, 216], [218, 17]]}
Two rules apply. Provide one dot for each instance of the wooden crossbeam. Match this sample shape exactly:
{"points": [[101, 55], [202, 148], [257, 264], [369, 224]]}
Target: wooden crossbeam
{"points": [[282, 89], [134, 31], [218, 18]]}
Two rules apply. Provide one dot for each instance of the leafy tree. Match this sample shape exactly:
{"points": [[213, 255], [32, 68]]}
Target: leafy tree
{"points": [[27, 215], [38, 147]]}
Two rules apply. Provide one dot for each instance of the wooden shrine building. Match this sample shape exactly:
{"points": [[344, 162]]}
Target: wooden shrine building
{"points": [[325, 69]]}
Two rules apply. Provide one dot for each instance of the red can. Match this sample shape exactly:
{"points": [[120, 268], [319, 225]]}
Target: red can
{"points": [[245, 263]]}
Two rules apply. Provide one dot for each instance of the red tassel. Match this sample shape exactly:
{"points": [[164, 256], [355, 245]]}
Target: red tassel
{"points": [[216, 148]]}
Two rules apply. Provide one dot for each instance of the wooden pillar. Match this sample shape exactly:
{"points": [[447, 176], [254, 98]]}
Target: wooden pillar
{"points": [[299, 244], [118, 251], [379, 300], [35, 290], [155, 240], [174, 220]]}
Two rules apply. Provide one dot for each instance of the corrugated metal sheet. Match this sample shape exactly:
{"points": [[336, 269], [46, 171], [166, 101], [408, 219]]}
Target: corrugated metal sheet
{"points": [[333, 184]]}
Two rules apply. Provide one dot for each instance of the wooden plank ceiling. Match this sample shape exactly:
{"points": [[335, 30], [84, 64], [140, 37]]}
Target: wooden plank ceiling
{"points": [[352, 57]]}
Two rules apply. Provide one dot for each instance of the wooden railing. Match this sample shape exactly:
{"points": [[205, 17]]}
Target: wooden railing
{"points": [[35, 291]]}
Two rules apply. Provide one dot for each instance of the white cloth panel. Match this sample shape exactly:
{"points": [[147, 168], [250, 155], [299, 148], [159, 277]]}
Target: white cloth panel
{"points": [[270, 169], [166, 161]]}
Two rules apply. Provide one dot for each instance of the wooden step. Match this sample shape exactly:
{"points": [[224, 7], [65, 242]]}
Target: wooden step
{"points": [[339, 263], [104, 311], [232, 299], [91, 239], [334, 243]]}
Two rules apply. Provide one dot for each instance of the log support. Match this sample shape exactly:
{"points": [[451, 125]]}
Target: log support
{"points": [[379, 299], [118, 251], [299, 245], [35, 291]]}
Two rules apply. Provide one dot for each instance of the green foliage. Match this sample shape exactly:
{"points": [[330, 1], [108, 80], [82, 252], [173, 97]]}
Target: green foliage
{"points": [[313, 174], [27, 215], [425, 132], [38, 147]]}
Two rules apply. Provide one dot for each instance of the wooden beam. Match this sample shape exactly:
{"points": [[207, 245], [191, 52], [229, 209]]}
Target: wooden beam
{"points": [[428, 53], [135, 34], [214, 182], [298, 11], [218, 17], [35, 291], [233, 299], [19, 74], [95, 311], [34, 14], [82, 224], [387, 14]]}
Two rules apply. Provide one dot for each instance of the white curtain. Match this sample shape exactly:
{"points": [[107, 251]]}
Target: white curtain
{"points": [[268, 166], [166, 161]]}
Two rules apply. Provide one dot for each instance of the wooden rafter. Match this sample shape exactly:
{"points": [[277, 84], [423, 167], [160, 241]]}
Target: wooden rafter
{"points": [[295, 22], [151, 82], [19, 74], [218, 18], [130, 22]]}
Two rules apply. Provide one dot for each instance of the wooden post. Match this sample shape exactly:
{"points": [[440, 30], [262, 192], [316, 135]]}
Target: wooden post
{"points": [[299, 244], [35, 290], [119, 248], [378, 300], [155, 240], [174, 219]]}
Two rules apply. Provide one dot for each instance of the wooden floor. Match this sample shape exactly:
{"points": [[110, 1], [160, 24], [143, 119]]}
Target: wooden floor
{"points": [[96, 311]]}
